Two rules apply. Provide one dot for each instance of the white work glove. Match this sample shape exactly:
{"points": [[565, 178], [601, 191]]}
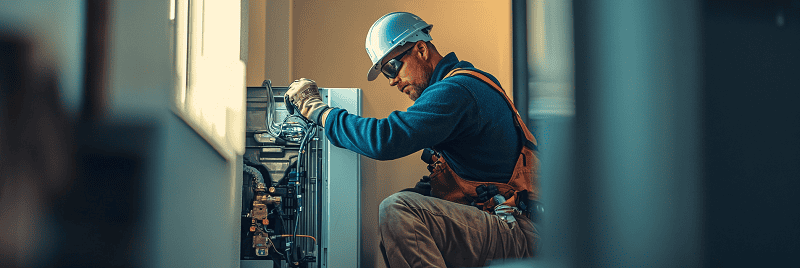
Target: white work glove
{"points": [[304, 94]]}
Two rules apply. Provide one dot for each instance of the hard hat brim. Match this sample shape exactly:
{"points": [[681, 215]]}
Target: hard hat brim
{"points": [[374, 71]]}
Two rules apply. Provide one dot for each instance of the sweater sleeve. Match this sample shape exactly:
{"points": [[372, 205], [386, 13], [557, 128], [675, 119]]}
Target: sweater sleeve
{"points": [[443, 112]]}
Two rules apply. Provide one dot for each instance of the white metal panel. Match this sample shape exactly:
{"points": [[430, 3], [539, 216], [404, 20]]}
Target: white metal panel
{"points": [[341, 243]]}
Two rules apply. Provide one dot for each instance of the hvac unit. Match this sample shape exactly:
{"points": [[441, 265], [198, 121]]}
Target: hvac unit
{"points": [[300, 194]]}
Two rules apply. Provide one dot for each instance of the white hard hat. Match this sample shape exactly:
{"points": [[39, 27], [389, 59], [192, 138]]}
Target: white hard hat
{"points": [[391, 31]]}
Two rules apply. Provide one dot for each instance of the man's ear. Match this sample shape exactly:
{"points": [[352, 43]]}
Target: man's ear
{"points": [[422, 49]]}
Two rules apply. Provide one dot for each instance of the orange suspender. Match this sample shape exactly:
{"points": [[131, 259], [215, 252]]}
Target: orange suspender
{"points": [[517, 119]]}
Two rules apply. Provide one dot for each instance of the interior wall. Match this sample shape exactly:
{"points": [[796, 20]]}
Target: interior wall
{"points": [[270, 42], [146, 190], [255, 42], [327, 45], [55, 28], [192, 198]]}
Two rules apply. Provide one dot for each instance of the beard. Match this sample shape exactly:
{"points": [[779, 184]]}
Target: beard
{"points": [[416, 89]]}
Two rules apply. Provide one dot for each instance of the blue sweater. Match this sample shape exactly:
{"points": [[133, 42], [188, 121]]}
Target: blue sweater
{"points": [[462, 117]]}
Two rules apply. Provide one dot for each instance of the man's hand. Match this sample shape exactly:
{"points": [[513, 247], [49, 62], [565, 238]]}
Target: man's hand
{"points": [[304, 94]]}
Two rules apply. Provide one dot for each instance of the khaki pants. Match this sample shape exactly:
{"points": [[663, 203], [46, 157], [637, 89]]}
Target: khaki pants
{"points": [[421, 231]]}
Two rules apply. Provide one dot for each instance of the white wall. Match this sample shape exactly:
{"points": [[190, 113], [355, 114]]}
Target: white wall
{"points": [[194, 196]]}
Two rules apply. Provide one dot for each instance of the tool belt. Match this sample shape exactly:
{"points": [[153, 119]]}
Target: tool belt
{"points": [[506, 200], [516, 197]]}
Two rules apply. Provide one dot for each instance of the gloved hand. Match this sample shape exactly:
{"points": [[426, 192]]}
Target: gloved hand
{"points": [[304, 94]]}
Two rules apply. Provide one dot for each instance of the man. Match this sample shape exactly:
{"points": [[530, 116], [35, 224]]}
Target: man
{"points": [[472, 208]]}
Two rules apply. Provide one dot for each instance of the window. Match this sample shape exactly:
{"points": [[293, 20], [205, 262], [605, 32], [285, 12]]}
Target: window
{"points": [[550, 59], [209, 70]]}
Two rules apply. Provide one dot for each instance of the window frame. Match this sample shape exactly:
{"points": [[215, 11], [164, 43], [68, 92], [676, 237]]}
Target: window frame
{"points": [[191, 58]]}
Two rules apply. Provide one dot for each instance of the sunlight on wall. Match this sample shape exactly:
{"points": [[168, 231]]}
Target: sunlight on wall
{"points": [[213, 98]]}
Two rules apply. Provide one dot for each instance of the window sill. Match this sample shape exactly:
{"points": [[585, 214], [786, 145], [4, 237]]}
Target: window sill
{"points": [[221, 147]]}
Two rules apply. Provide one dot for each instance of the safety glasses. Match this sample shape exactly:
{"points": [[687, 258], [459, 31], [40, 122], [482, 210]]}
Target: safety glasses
{"points": [[392, 67]]}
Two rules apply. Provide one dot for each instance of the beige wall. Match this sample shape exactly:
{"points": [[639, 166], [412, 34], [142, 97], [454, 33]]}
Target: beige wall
{"points": [[256, 35], [327, 44]]}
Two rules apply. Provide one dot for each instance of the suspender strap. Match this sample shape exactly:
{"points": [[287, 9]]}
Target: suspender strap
{"points": [[530, 141]]}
